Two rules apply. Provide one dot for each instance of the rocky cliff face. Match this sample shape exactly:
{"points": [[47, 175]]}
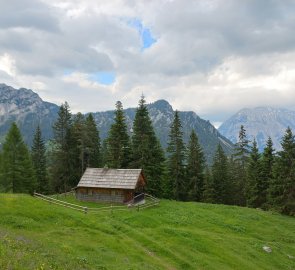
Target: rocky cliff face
{"points": [[260, 123], [27, 109]]}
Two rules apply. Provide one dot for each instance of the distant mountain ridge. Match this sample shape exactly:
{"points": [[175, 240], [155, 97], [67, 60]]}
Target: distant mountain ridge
{"points": [[162, 114], [260, 123], [28, 110]]}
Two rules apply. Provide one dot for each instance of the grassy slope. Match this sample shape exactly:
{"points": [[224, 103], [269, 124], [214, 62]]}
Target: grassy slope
{"points": [[174, 235]]}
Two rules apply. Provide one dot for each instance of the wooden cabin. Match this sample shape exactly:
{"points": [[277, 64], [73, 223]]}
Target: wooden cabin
{"points": [[110, 185]]}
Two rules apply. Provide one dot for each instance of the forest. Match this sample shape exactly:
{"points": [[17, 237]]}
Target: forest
{"points": [[245, 178]]}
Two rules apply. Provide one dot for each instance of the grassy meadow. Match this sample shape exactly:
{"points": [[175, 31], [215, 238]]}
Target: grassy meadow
{"points": [[174, 235]]}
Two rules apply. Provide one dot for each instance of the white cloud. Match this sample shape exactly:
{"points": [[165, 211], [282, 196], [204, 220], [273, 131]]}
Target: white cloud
{"points": [[213, 56]]}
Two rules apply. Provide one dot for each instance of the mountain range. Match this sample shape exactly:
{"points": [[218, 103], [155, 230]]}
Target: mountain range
{"points": [[259, 123], [28, 110]]}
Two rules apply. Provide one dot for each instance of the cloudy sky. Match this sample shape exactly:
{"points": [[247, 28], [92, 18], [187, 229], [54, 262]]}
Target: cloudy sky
{"points": [[210, 56]]}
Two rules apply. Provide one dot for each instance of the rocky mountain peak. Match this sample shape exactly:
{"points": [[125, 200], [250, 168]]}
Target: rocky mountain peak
{"points": [[260, 123]]}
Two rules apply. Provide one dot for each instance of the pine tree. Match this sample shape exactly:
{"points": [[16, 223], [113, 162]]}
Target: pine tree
{"points": [[208, 194], [267, 167], [282, 187], [18, 173], [104, 153], [119, 151], [254, 187], [176, 158], [195, 168], [241, 157], [220, 176], [39, 162], [93, 148], [146, 150], [242, 149], [79, 149], [62, 171]]}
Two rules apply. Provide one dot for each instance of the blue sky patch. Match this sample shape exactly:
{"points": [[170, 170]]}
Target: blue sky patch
{"points": [[106, 78], [145, 34]]}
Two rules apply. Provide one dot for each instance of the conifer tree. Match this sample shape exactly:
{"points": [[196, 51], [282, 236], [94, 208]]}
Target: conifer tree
{"points": [[93, 154], [176, 158], [63, 175], [104, 153], [254, 187], [220, 176], [241, 157], [195, 168], [267, 167], [146, 150], [208, 194], [39, 162], [119, 151], [282, 187], [18, 173], [79, 149]]}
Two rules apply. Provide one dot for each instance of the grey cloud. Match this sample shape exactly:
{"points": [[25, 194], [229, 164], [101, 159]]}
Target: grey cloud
{"points": [[28, 14]]}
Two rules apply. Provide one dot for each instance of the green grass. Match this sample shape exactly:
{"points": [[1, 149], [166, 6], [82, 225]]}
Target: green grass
{"points": [[173, 235]]}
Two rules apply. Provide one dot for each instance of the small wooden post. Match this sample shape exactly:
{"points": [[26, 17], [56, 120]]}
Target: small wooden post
{"points": [[85, 210]]}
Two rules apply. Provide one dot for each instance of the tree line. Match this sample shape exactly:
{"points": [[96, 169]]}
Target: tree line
{"points": [[246, 178]]}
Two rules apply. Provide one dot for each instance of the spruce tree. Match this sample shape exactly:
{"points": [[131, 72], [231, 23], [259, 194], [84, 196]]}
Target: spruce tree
{"points": [[39, 162], [104, 153], [146, 150], [282, 187], [18, 174], [241, 157], [119, 151], [254, 186], [79, 149], [220, 176], [267, 167], [176, 158], [195, 168], [63, 163], [208, 194], [93, 148]]}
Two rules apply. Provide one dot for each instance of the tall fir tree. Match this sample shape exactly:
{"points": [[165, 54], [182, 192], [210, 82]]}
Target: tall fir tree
{"points": [[241, 157], [208, 194], [119, 151], [267, 167], [38, 154], [220, 176], [254, 186], [104, 153], [93, 147], [79, 149], [195, 168], [18, 174], [176, 158], [282, 187], [63, 164], [146, 150]]}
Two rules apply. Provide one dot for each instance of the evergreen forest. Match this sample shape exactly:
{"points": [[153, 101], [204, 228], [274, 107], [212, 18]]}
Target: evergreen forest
{"points": [[247, 177]]}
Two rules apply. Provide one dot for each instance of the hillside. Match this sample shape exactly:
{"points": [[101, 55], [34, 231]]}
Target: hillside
{"points": [[27, 109], [174, 235], [260, 123]]}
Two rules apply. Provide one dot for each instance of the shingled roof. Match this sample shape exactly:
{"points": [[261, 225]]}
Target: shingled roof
{"points": [[110, 178]]}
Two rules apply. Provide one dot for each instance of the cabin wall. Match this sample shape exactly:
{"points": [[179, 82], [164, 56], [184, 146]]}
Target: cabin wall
{"points": [[104, 195]]}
